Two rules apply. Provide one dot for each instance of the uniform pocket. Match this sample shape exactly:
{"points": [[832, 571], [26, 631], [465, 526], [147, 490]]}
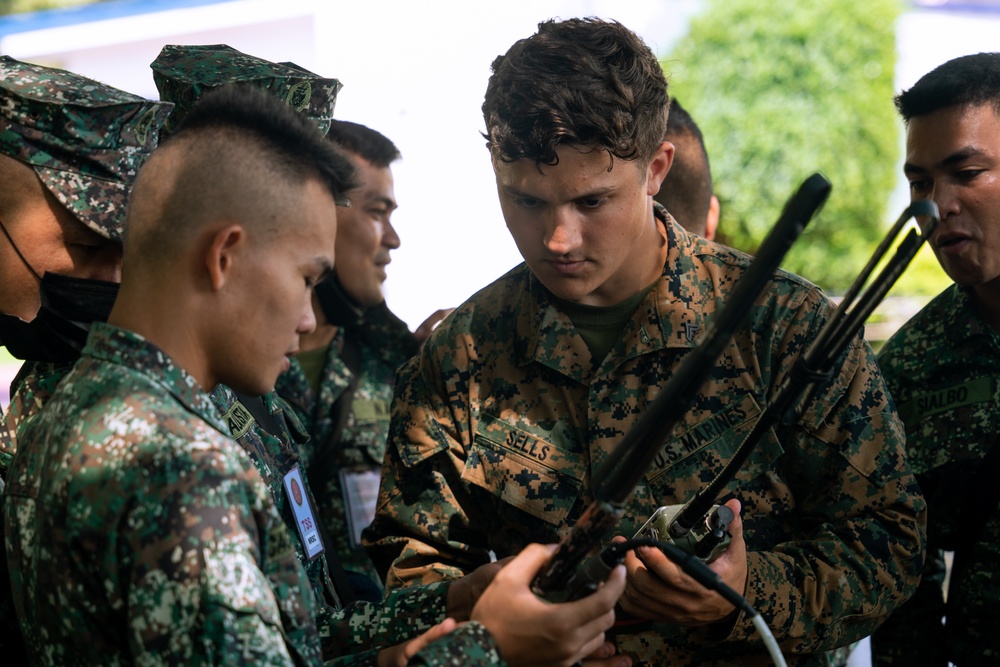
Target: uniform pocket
{"points": [[524, 470]]}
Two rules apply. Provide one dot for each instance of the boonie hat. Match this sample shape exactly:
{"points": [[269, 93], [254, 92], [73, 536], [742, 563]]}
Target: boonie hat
{"points": [[85, 140], [183, 73]]}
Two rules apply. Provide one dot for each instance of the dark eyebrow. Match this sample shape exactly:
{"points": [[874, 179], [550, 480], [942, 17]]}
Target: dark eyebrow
{"points": [[959, 156], [599, 192], [593, 194]]}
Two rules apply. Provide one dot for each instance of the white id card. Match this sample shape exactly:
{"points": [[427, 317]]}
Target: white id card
{"points": [[360, 496], [305, 521]]}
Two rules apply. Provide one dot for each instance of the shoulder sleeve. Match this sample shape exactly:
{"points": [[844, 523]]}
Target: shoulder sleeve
{"points": [[426, 518], [858, 548], [196, 589], [470, 644], [403, 615]]}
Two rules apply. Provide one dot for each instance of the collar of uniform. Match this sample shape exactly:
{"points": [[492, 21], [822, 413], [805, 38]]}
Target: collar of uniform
{"points": [[127, 348], [684, 299], [961, 309]]}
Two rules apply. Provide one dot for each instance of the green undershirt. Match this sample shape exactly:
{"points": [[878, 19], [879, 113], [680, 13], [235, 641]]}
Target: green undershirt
{"points": [[601, 326], [312, 365]]}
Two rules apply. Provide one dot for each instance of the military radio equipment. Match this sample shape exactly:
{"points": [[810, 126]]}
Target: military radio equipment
{"points": [[565, 576], [817, 365], [706, 540]]}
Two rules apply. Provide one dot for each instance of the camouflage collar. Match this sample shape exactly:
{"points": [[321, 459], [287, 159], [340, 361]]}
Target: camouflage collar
{"points": [[120, 346]]}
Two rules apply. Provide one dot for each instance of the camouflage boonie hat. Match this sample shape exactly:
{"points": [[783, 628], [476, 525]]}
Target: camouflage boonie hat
{"points": [[84, 139], [183, 73]]}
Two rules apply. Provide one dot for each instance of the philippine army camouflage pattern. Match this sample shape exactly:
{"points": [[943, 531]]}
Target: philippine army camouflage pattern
{"points": [[134, 524], [942, 369], [500, 421], [383, 343], [30, 390], [183, 73], [84, 139], [346, 633]]}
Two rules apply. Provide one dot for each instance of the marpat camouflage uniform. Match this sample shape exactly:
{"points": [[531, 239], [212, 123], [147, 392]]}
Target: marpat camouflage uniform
{"points": [[383, 343], [501, 420], [942, 369]]}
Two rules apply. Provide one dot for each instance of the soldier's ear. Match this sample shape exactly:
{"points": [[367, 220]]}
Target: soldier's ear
{"points": [[658, 167], [223, 250]]}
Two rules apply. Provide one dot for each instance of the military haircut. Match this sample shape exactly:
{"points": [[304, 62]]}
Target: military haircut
{"points": [[686, 191], [582, 81], [971, 80], [240, 154], [364, 142]]}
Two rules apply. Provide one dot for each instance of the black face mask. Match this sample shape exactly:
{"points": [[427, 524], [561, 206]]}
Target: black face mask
{"points": [[338, 308], [59, 330]]}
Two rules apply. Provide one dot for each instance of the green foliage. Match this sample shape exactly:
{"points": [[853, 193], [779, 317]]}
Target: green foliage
{"points": [[784, 89], [22, 6]]}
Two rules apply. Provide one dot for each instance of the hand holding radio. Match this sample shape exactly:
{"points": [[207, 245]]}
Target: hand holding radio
{"points": [[657, 589]]}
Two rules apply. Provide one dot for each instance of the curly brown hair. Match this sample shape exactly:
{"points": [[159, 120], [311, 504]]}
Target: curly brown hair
{"points": [[583, 81]]}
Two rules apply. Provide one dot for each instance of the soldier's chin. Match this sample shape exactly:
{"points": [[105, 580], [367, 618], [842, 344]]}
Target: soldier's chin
{"points": [[253, 386]]}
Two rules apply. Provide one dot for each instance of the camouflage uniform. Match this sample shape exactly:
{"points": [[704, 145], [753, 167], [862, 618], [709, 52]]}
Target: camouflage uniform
{"points": [[154, 529], [135, 525], [942, 369], [85, 141], [500, 422], [343, 631], [352, 634], [383, 343]]}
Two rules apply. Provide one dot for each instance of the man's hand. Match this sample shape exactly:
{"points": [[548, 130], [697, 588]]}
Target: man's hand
{"points": [[400, 654], [531, 631], [427, 326], [463, 593], [658, 590]]}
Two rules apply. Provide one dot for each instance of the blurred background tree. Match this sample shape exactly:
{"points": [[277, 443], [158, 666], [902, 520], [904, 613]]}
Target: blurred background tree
{"points": [[783, 89], [19, 6]]}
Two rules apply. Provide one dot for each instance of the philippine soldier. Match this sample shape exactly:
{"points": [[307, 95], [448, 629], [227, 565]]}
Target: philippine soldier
{"points": [[942, 368], [263, 425], [686, 191], [138, 531], [524, 390], [270, 433], [70, 148], [340, 383]]}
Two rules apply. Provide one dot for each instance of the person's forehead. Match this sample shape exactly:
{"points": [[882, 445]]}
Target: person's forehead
{"points": [[954, 124], [374, 182]]}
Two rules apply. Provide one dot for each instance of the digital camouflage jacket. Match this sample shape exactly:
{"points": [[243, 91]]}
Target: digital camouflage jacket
{"points": [[348, 636], [137, 530], [943, 370], [380, 343], [500, 422]]}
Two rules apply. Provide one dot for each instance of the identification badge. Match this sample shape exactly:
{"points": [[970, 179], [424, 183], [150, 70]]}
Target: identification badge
{"points": [[305, 521], [360, 496]]}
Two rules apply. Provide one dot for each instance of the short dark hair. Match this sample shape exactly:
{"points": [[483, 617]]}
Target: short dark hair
{"points": [[295, 146], [239, 153], [686, 191], [971, 80], [363, 141], [582, 81]]}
